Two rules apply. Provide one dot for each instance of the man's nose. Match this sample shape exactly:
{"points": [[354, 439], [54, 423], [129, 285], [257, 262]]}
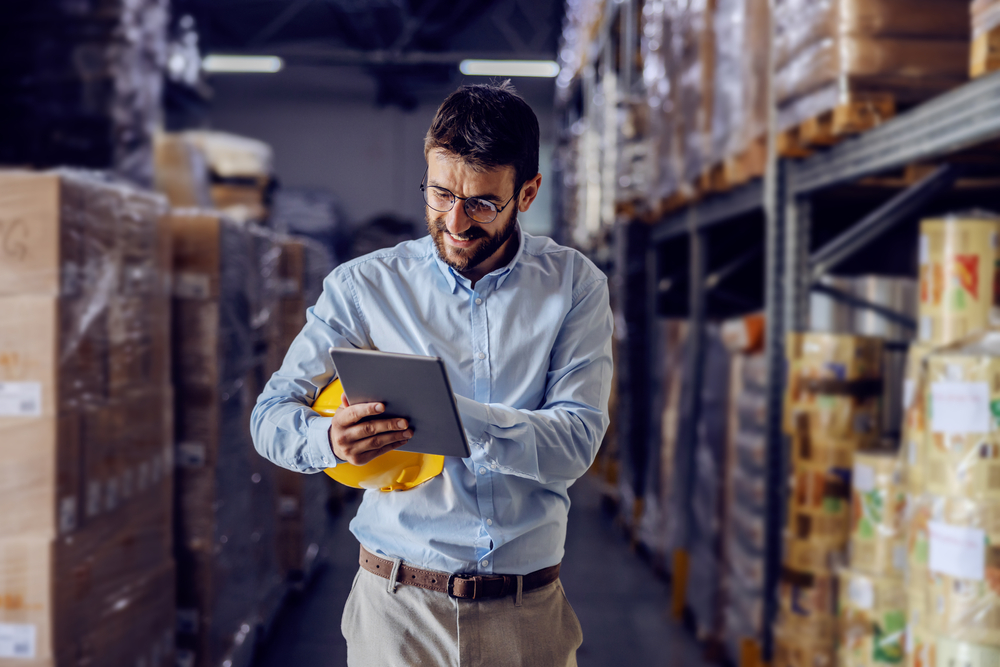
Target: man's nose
{"points": [[456, 221]]}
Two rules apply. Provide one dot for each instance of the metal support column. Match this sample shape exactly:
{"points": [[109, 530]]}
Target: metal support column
{"points": [[774, 337]]}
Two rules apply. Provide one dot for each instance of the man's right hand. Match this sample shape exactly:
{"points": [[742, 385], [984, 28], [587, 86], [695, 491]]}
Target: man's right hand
{"points": [[359, 442]]}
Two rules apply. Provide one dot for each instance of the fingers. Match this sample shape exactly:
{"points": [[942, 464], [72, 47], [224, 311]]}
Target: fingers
{"points": [[374, 427], [352, 414], [362, 451]]}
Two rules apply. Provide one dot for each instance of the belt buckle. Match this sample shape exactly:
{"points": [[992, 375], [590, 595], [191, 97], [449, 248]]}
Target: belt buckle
{"points": [[463, 577]]}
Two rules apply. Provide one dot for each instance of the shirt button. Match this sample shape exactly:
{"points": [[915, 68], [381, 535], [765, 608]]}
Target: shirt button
{"points": [[482, 471], [479, 302], [489, 522], [485, 563], [482, 355]]}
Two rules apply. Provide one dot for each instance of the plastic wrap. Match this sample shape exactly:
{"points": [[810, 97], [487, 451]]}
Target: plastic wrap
{"points": [[958, 258], [836, 380], [221, 557], [985, 37], [708, 490], [914, 436], [694, 54], [659, 73], [872, 619], [963, 585], [836, 51], [963, 438], [86, 481], [878, 508], [84, 85]]}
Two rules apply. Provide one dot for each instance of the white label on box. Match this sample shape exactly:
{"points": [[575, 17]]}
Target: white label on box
{"points": [[914, 451], [909, 388], [192, 286], [925, 249], [67, 515], [863, 478], [20, 399], [926, 327], [17, 641], [861, 592], [957, 551], [960, 407]]}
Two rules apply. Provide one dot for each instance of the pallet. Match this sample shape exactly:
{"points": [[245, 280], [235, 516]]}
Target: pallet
{"points": [[985, 56], [835, 125], [748, 164]]}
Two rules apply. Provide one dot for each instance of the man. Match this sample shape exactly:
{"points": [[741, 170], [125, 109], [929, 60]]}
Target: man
{"points": [[524, 328]]}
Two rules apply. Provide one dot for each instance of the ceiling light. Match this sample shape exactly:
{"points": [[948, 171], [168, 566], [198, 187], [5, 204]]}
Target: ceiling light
{"points": [[543, 68], [242, 64]]}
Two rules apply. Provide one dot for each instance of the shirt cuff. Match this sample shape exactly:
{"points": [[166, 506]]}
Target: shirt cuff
{"points": [[319, 453], [475, 418]]}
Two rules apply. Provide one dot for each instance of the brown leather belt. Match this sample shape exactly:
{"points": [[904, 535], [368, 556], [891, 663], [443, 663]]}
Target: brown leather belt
{"points": [[462, 586]]}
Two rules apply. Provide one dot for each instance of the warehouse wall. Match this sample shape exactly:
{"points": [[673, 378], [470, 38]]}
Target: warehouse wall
{"points": [[327, 133]]}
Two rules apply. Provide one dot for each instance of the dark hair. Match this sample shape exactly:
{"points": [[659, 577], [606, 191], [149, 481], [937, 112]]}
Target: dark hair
{"points": [[487, 126]]}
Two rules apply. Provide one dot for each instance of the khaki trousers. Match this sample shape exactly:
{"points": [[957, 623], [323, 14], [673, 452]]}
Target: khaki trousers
{"points": [[413, 626]]}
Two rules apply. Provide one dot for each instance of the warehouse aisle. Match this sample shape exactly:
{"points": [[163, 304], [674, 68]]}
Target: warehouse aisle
{"points": [[621, 605]]}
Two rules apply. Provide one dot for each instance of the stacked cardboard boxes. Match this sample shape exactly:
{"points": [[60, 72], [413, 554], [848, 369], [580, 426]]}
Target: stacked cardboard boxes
{"points": [[875, 54], [217, 537], [82, 84], [86, 573], [985, 56], [834, 398]]}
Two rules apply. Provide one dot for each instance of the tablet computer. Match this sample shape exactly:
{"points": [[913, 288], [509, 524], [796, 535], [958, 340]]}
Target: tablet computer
{"points": [[410, 386]]}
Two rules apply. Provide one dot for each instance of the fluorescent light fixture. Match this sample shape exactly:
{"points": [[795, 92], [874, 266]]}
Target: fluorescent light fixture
{"points": [[542, 68], [242, 64]]}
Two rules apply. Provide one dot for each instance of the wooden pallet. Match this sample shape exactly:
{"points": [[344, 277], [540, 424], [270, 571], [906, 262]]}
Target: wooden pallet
{"points": [[713, 179], [831, 127], [748, 164], [985, 57]]}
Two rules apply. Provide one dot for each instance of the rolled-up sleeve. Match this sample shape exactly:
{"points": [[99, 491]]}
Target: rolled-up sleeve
{"points": [[559, 440], [285, 429]]}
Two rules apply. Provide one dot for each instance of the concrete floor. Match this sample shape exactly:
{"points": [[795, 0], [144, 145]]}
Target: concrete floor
{"points": [[622, 607]]}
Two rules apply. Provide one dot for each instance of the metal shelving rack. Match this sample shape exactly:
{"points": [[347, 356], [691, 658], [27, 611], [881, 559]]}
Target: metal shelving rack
{"points": [[940, 132], [935, 132]]}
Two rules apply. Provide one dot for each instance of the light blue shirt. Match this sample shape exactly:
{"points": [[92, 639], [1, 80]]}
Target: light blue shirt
{"points": [[528, 353]]}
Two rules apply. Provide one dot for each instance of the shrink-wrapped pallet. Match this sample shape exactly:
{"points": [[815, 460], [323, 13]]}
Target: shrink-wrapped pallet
{"points": [[963, 436], [958, 259], [83, 84], [837, 381], [218, 589], [741, 71], [985, 55], [695, 56], [85, 423], [878, 507], [872, 619], [660, 76], [879, 53]]}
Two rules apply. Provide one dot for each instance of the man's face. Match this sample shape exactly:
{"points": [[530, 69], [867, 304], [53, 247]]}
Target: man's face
{"points": [[461, 242]]}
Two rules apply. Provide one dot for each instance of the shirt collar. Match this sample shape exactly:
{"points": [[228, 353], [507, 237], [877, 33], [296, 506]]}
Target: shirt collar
{"points": [[453, 277]]}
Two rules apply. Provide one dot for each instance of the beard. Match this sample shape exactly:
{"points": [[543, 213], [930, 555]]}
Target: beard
{"points": [[466, 259]]}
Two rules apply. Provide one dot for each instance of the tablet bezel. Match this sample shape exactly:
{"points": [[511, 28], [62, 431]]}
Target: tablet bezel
{"points": [[411, 386]]}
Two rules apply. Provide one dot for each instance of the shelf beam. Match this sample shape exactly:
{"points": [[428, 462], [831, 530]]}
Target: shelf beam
{"points": [[963, 118], [900, 208], [712, 211]]}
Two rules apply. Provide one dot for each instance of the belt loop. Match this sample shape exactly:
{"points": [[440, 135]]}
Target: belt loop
{"points": [[394, 576], [520, 585]]}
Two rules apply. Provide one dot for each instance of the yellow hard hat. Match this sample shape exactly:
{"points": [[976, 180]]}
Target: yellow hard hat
{"points": [[392, 471]]}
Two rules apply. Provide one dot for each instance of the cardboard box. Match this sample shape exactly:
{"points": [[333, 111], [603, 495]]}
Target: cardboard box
{"points": [[872, 619], [878, 509]]}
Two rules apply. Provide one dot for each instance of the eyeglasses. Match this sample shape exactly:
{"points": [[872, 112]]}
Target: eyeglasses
{"points": [[442, 200]]}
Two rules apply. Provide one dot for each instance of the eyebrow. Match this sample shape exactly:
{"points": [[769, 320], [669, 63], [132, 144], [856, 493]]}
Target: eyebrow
{"points": [[495, 198]]}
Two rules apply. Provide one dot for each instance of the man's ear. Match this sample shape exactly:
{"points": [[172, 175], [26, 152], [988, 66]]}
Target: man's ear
{"points": [[528, 193]]}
